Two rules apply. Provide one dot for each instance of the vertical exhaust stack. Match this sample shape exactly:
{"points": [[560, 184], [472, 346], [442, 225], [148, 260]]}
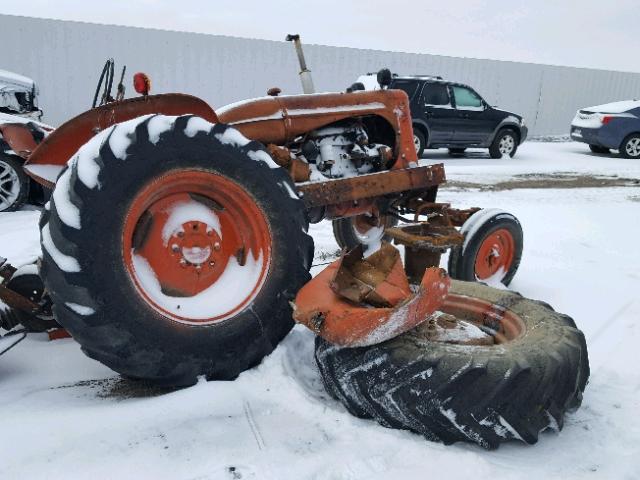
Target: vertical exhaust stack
{"points": [[305, 73]]}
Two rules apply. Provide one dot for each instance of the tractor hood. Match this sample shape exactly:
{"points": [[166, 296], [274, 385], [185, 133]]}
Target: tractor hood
{"points": [[283, 118]]}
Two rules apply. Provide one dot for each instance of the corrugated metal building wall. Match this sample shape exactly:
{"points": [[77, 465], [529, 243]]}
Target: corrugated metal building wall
{"points": [[65, 58]]}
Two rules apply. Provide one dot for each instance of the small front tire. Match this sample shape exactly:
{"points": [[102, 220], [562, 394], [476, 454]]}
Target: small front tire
{"points": [[366, 230], [492, 248]]}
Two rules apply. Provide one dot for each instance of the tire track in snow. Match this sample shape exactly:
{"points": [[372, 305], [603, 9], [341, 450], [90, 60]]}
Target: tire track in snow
{"points": [[248, 413]]}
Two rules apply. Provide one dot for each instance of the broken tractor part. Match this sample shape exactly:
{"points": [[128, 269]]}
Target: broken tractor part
{"points": [[357, 301], [23, 292]]}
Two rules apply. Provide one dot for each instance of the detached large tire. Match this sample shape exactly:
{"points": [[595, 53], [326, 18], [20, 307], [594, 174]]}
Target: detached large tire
{"points": [[14, 184], [481, 394], [172, 249]]}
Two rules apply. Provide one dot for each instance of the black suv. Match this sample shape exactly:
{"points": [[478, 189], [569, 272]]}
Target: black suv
{"points": [[452, 115]]}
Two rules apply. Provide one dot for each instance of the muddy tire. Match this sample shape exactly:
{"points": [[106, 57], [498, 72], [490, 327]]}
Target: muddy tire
{"points": [[14, 184], [353, 231], [481, 394], [492, 248], [172, 249]]}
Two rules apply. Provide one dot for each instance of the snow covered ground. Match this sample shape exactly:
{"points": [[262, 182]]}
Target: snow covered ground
{"points": [[63, 415]]}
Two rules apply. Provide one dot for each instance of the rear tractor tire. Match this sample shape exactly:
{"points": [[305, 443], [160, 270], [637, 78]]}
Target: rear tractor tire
{"points": [[492, 248], [529, 369], [172, 249]]}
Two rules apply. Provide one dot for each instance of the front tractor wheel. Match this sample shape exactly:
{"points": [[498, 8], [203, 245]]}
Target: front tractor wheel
{"points": [[366, 230], [172, 249], [491, 250]]}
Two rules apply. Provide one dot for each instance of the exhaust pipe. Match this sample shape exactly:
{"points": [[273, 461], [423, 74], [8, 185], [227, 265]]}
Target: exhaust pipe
{"points": [[305, 74]]}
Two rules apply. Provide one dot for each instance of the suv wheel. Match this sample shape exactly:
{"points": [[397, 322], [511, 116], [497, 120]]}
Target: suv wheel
{"points": [[505, 143], [630, 147], [419, 141]]}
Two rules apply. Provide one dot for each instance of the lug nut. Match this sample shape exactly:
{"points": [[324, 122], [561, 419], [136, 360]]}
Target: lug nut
{"points": [[181, 233], [183, 262], [175, 248], [216, 246], [209, 232], [212, 263]]}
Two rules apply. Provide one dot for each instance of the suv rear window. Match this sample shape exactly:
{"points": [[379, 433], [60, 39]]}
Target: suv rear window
{"points": [[408, 87], [435, 94], [466, 98]]}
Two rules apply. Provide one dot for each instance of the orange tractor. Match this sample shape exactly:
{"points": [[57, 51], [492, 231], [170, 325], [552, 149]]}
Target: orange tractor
{"points": [[175, 246]]}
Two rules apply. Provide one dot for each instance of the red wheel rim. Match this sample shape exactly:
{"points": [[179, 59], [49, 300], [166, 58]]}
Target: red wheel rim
{"points": [[506, 324], [495, 255], [196, 246]]}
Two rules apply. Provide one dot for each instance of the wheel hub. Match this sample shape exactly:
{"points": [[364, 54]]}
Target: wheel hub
{"points": [[197, 246], [507, 143], [633, 147], [495, 255]]}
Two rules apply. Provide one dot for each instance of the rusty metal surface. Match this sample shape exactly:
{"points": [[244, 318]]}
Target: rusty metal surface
{"points": [[15, 300], [450, 216], [378, 280], [19, 138], [426, 236], [299, 170], [417, 261], [334, 192], [282, 119], [345, 322], [63, 142]]}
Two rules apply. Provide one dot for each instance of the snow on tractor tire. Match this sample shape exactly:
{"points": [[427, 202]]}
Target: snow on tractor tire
{"points": [[205, 248]]}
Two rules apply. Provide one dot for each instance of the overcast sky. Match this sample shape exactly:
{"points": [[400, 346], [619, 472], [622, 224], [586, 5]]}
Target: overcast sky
{"points": [[586, 33]]}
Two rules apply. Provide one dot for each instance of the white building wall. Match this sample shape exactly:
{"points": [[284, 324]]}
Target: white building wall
{"points": [[65, 59]]}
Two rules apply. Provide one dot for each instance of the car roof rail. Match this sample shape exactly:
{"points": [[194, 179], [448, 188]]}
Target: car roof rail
{"points": [[433, 77]]}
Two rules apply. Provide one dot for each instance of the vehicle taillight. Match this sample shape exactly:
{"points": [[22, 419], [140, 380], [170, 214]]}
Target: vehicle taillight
{"points": [[606, 119]]}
